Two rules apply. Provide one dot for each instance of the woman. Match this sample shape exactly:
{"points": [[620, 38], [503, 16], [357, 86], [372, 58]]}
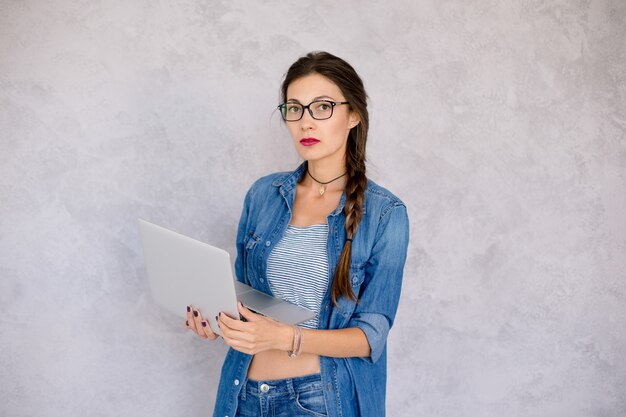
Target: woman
{"points": [[323, 237]]}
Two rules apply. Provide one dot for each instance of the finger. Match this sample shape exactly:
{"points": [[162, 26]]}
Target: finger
{"points": [[197, 318], [190, 321], [224, 322], [208, 330], [239, 324], [230, 328], [247, 313], [204, 327], [233, 338]]}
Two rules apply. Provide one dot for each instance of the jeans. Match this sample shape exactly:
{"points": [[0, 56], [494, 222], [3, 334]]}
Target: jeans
{"points": [[291, 397]]}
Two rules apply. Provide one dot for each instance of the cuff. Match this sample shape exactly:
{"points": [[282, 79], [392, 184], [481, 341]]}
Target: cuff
{"points": [[376, 328]]}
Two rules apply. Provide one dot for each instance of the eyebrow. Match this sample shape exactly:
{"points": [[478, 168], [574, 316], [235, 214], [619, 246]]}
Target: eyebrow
{"points": [[315, 98]]}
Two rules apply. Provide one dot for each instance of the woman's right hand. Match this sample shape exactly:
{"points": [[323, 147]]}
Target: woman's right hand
{"points": [[199, 325]]}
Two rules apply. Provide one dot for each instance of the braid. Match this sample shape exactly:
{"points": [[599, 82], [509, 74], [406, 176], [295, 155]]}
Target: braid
{"points": [[355, 193]]}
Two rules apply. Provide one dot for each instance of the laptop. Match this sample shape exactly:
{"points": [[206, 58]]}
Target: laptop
{"points": [[183, 271]]}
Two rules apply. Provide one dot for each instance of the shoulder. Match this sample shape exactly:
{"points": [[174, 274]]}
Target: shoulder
{"points": [[268, 181], [267, 185], [380, 200], [385, 223], [272, 182]]}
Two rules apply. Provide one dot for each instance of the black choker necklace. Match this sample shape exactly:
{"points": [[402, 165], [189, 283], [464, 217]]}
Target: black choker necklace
{"points": [[324, 184]]}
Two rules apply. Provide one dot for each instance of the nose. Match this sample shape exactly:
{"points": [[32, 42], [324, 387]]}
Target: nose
{"points": [[307, 122]]}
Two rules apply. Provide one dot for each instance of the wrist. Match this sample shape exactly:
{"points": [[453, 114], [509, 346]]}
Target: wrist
{"points": [[298, 342], [285, 339]]}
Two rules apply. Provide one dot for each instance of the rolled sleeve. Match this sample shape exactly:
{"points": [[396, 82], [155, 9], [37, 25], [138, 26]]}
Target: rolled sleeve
{"points": [[378, 301], [376, 328]]}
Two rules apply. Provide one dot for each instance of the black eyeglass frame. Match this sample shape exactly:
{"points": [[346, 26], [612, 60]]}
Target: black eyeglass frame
{"points": [[308, 107]]}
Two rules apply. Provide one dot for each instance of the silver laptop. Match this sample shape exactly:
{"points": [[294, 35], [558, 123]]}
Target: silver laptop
{"points": [[183, 271]]}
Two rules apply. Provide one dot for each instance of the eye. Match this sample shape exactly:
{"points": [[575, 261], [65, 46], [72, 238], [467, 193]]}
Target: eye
{"points": [[293, 108], [323, 106]]}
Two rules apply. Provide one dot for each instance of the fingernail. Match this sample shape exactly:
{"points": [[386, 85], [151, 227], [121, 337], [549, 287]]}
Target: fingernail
{"points": [[204, 324], [188, 309], [216, 318], [195, 313], [187, 323]]}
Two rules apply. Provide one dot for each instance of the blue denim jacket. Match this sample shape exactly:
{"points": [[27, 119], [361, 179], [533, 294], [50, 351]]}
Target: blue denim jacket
{"points": [[352, 386]]}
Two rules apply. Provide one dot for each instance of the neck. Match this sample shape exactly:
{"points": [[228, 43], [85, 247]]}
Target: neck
{"points": [[324, 172]]}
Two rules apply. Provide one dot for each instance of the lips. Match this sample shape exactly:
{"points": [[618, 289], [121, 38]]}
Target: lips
{"points": [[309, 141]]}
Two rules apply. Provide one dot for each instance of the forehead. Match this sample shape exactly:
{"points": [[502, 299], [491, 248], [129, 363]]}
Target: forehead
{"points": [[309, 87]]}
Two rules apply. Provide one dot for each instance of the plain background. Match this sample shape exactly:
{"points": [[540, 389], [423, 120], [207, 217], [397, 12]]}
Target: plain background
{"points": [[501, 124]]}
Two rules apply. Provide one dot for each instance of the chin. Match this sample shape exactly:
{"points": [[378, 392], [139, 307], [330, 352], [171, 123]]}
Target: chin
{"points": [[309, 154]]}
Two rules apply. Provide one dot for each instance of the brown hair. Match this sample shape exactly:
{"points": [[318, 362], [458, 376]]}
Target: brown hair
{"points": [[345, 77]]}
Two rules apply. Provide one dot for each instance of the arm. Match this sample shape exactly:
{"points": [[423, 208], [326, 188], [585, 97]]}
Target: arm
{"points": [[260, 333], [378, 301]]}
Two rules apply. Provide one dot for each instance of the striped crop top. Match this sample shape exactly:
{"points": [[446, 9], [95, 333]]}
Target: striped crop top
{"points": [[297, 268]]}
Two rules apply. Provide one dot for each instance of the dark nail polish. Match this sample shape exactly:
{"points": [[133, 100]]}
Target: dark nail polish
{"points": [[216, 318], [188, 309], [204, 324], [187, 323], [195, 313]]}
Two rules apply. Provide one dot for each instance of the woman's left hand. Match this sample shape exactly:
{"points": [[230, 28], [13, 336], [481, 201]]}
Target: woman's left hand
{"points": [[259, 333]]}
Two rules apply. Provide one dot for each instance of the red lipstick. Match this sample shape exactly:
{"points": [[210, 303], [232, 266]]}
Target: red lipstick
{"points": [[309, 141]]}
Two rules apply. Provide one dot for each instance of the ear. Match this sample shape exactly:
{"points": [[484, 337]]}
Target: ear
{"points": [[355, 119]]}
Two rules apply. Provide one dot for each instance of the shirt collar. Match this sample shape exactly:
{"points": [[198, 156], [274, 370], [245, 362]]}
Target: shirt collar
{"points": [[287, 184]]}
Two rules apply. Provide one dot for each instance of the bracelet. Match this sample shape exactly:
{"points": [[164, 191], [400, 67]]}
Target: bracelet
{"points": [[301, 340], [296, 338]]}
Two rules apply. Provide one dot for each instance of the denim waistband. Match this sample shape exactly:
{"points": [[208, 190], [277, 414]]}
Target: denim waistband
{"points": [[287, 386]]}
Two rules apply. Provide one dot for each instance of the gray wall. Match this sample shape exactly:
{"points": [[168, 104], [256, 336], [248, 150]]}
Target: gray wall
{"points": [[501, 124]]}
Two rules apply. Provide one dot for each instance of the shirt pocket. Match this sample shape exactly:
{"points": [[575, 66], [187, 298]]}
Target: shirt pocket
{"points": [[250, 243], [251, 240], [357, 276]]}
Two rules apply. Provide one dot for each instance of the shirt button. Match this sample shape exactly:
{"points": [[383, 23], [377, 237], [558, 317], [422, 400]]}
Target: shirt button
{"points": [[268, 243], [326, 307], [265, 387], [236, 382], [262, 280]]}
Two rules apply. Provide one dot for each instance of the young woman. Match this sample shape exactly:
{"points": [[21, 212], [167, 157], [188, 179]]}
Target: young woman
{"points": [[326, 238]]}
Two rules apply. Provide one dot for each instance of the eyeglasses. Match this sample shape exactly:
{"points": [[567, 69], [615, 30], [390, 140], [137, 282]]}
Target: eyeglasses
{"points": [[318, 109]]}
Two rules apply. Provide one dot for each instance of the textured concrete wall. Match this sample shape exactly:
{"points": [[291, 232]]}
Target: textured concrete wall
{"points": [[501, 124]]}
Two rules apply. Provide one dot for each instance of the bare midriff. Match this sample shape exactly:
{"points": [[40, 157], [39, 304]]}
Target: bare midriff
{"points": [[276, 364]]}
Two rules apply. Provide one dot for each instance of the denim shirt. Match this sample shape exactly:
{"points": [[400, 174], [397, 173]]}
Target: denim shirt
{"points": [[352, 386]]}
